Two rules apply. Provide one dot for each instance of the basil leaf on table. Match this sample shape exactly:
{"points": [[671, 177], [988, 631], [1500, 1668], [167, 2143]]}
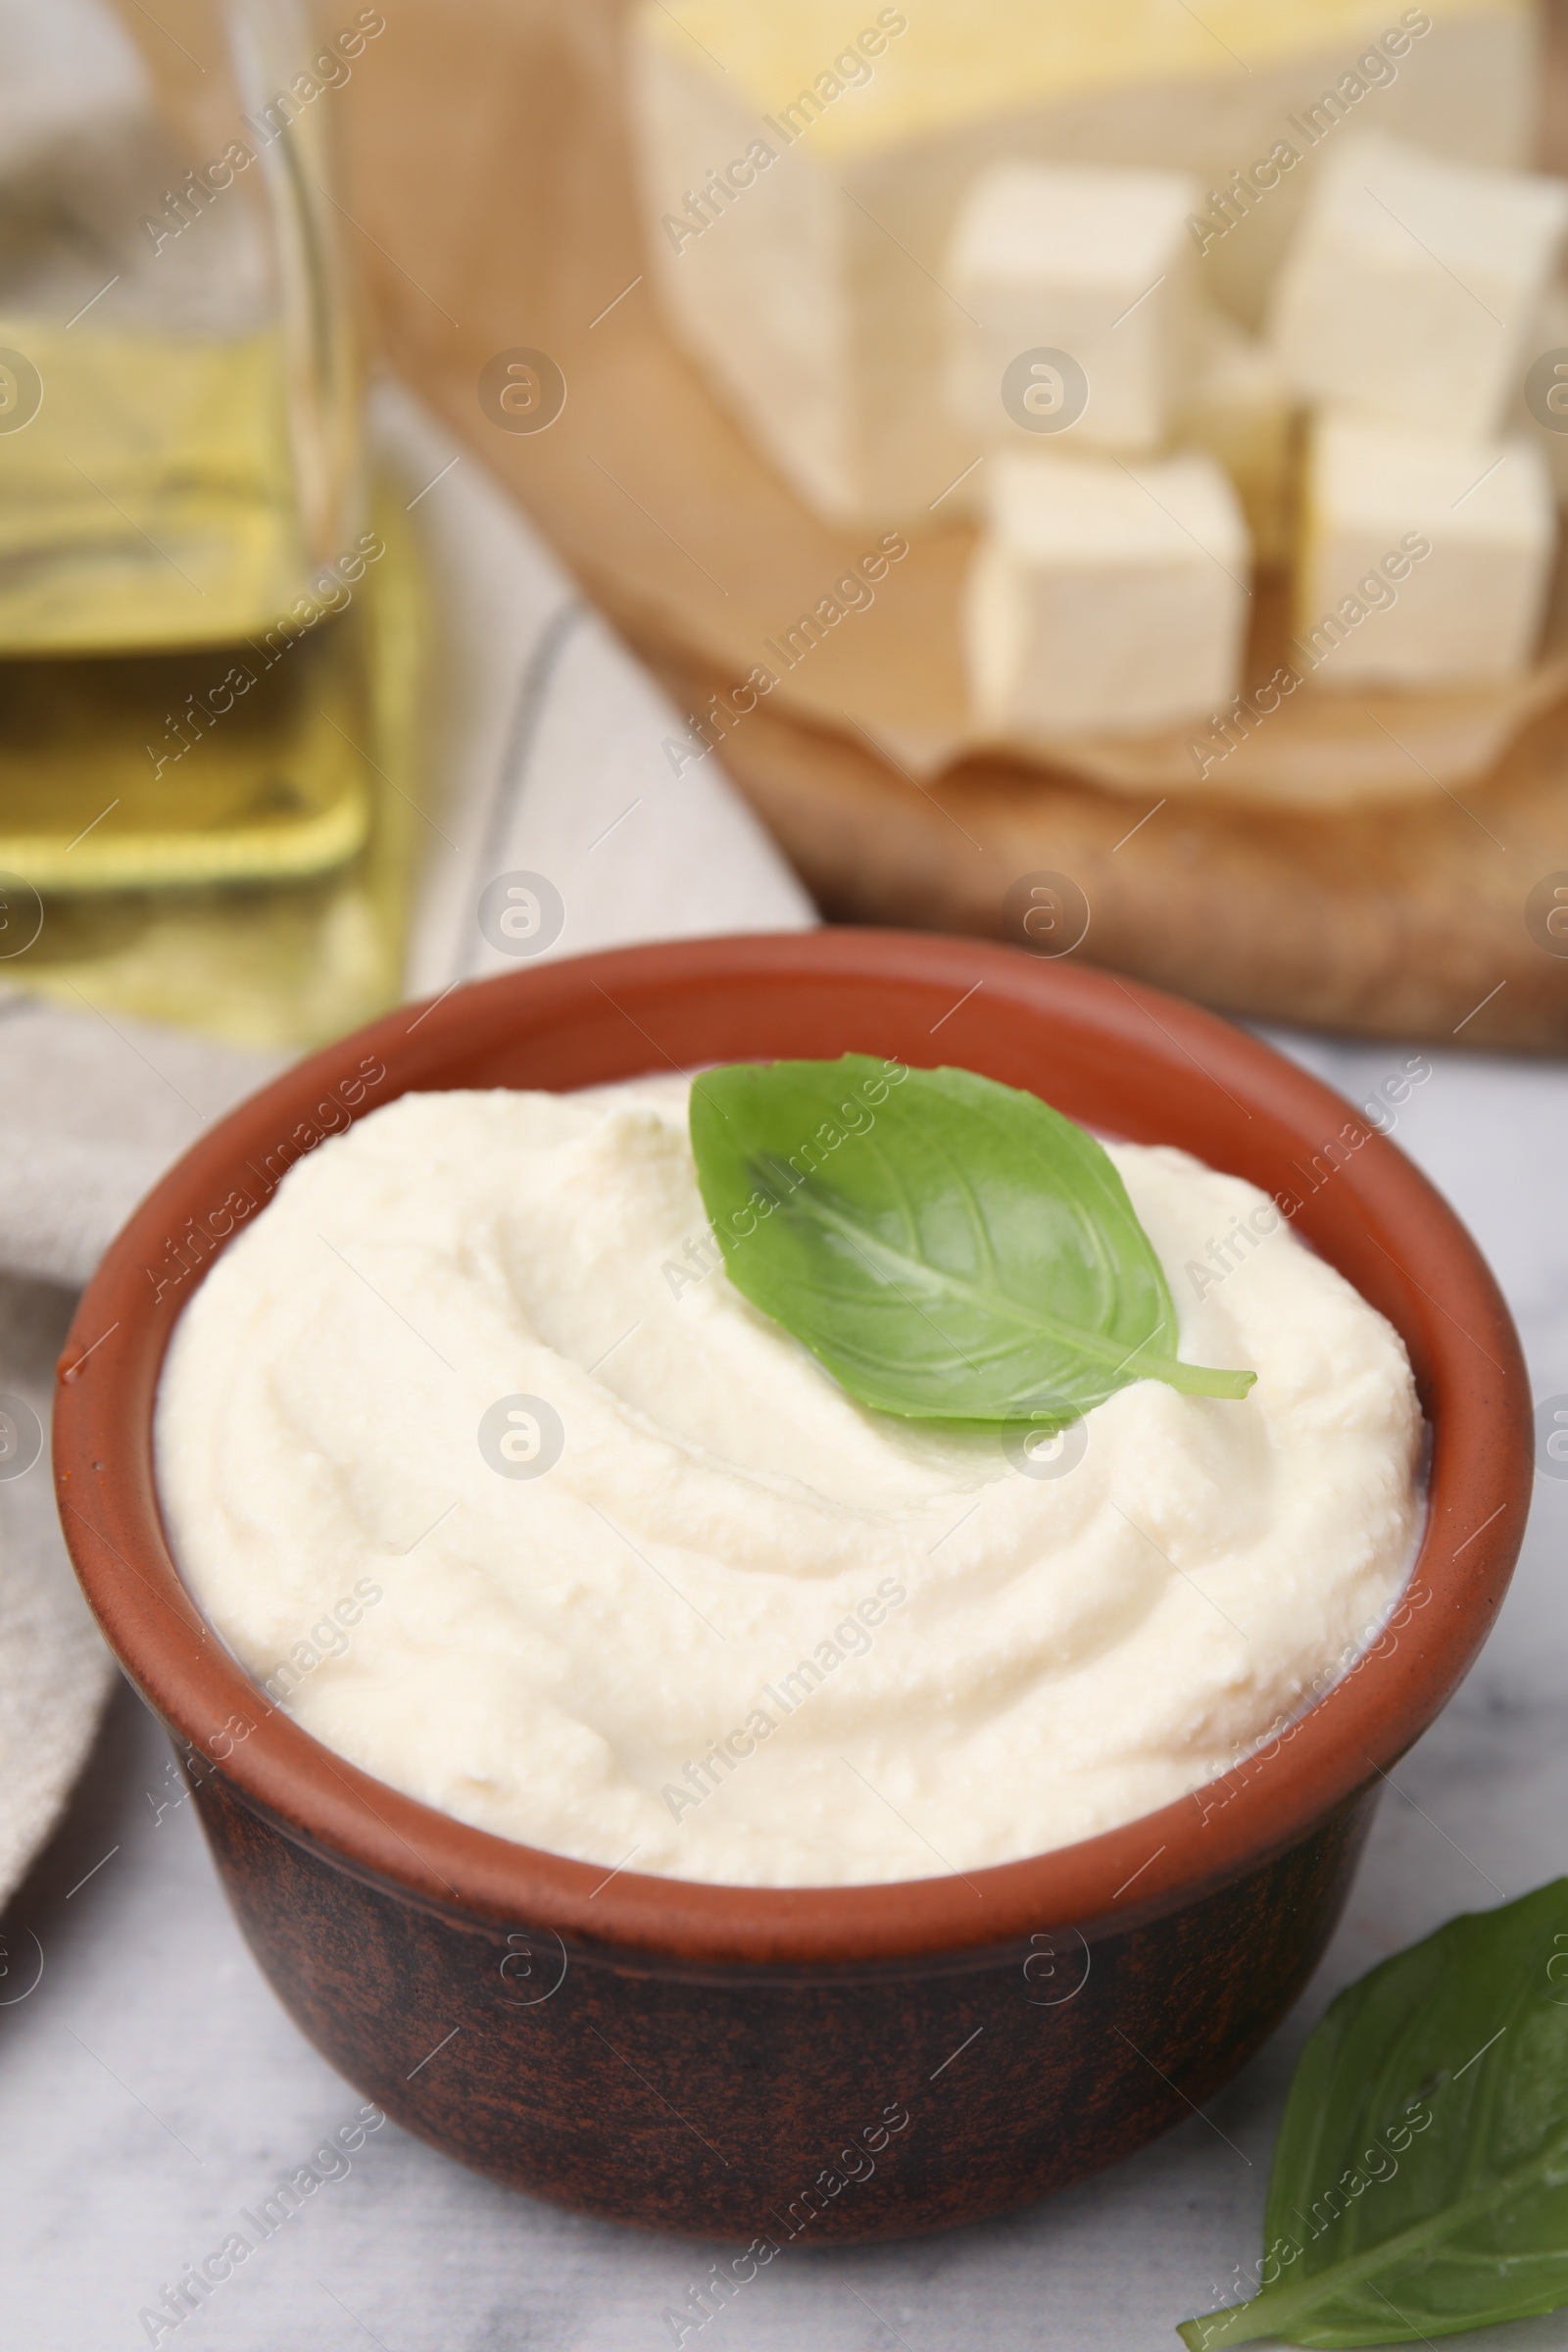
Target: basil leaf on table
{"points": [[950, 1247], [1420, 2181]]}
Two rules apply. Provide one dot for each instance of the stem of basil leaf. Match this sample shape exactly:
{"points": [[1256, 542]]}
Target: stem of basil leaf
{"points": [[1193, 1380]]}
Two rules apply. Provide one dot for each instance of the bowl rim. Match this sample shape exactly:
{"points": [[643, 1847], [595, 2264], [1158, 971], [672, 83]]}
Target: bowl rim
{"points": [[1245, 1094]]}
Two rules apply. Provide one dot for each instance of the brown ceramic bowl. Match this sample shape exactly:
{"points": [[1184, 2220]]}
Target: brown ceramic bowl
{"points": [[854, 2062]]}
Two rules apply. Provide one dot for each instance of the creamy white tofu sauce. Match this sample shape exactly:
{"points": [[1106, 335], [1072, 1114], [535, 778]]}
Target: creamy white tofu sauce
{"points": [[477, 1461]]}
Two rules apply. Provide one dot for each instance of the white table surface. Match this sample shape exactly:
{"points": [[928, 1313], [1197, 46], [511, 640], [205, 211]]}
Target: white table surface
{"points": [[151, 2086]]}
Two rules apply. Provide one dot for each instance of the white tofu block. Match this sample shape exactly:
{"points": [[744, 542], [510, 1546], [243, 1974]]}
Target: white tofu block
{"points": [[1240, 410], [800, 179], [1105, 598], [1413, 283], [1093, 262], [1371, 608]]}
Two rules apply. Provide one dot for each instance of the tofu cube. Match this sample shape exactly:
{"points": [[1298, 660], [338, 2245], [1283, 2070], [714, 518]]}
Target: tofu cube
{"points": [[1104, 598], [1425, 559], [1073, 258], [1413, 283], [1240, 410]]}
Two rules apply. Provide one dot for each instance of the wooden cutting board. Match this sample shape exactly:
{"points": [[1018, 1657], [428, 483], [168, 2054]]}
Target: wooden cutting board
{"points": [[1401, 921], [488, 187]]}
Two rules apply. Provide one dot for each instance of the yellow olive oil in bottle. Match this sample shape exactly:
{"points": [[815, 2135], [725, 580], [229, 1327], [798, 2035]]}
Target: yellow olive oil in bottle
{"points": [[209, 626]]}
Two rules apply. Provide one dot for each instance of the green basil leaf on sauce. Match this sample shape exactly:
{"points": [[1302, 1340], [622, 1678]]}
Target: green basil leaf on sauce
{"points": [[1420, 2181], [950, 1248]]}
